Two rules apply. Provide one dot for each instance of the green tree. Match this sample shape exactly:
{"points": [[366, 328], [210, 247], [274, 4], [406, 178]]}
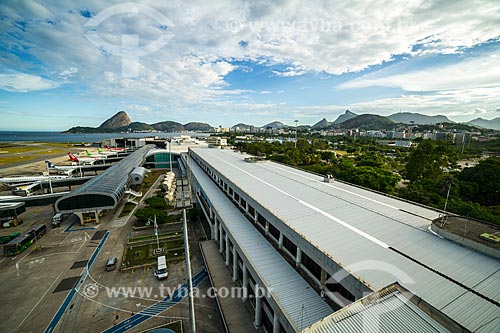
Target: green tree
{"points": [[482, 183], [428, 159]]}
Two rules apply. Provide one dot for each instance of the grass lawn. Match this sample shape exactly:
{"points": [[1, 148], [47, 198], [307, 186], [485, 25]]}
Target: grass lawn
{"points": [[15, 159], [127, 209], [138, 255]]}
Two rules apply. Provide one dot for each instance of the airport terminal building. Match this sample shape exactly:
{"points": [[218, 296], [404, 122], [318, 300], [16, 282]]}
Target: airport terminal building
{"points": [[334, 257]]}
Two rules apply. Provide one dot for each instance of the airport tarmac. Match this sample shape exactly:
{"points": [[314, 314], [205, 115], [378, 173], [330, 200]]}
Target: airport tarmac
{"points": [[34, 283]]}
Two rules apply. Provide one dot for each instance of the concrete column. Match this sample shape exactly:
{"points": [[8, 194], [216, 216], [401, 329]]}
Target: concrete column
{"points": [[298, 257], [216, 229], [235, 264], [227, 249], [258, 308], [267, 228], [221, 236], [255, 216], [322, 283], [245, 283], [211, 213], [246, 207], [212, 228], [276, 323], [280, 241]]}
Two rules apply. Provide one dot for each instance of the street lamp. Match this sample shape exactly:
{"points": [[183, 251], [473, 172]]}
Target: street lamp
{"points": [[170, 152], [296, 122]]}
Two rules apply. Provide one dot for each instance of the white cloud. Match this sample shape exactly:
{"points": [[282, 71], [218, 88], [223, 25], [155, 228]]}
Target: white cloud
{"points": [[191, 70], [21, 82], [480, 71]]}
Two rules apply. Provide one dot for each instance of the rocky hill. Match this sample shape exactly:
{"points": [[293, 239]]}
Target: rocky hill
{"points": [[120, 119], [198, 127], [168, 126], [241, 127], [485, 123], [344, 117], [322, 124], [418, 119], [368, 122], [121, 122], [274, 124]]}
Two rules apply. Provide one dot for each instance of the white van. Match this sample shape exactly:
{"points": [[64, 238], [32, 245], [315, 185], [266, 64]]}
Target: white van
{"points": [[56, 220], [161, 272]]}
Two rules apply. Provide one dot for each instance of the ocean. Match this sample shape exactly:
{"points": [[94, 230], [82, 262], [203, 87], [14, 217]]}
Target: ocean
{"points": [[79, 138]]}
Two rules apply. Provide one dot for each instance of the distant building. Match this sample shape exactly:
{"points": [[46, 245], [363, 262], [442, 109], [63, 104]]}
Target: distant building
{"points": [[221, 129], [442, 136], [216, 141], [395, 134], [374, 134]]}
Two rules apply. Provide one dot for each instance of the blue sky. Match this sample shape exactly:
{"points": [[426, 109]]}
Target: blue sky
{"points": [[68, 63]]}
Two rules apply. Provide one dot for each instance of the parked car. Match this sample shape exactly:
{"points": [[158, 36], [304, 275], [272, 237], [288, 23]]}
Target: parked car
{"points": [[111, 264]]}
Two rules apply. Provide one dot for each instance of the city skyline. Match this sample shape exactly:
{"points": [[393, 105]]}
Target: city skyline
{"points": [[68, 64]]}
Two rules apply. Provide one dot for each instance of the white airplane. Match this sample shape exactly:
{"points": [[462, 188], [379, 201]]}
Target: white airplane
{"points": [[82, 160], [89, 154], [18, 181], [51, 166], [106, 153]]}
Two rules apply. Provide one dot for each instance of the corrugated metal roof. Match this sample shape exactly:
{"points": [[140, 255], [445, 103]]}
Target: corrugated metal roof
{"points": [[109, 185], [349, 225], [301, 305], [388, 311]]}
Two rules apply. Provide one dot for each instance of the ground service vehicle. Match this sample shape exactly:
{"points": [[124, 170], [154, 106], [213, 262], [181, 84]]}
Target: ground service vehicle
{"points": [[23, 241], [8, 238], [111, 264], [161, 272]]}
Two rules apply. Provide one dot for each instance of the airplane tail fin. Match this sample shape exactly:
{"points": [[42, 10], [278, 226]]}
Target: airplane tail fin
{"points": [[88, 153], [50, 165], [72, 157]]}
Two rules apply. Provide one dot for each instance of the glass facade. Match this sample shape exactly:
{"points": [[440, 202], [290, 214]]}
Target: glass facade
{"points": [[161, 160], [105, 190]]}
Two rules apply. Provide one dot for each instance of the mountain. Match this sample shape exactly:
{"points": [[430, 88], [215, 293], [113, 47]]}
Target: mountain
{"points": [[121, 122], [198, 127], [120, 119], [136, 127], [369, 122], [323, 123], [344, 117], [274, 124], [168, 126], [241, 127], [485, 123], [417, 118]]}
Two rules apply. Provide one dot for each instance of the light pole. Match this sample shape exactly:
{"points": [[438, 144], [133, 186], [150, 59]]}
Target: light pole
{"points": [[170, 152], [48, 174], [296, 122]]}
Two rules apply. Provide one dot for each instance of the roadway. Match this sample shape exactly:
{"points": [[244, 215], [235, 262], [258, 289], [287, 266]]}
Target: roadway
{"points": [[157, 308]]}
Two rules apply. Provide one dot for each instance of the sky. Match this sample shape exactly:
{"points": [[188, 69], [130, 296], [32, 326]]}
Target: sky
{"points": [[76, 63]]}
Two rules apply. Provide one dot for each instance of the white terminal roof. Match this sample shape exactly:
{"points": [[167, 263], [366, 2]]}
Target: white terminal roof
{"points": [[389, 310], [297, 300], [352, 226]]}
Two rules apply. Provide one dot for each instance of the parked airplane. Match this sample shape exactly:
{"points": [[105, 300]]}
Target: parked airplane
{"points": [[51, 166], [89, 154], [106, 153], [82, 160], [18, 181], [116, 149]]}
